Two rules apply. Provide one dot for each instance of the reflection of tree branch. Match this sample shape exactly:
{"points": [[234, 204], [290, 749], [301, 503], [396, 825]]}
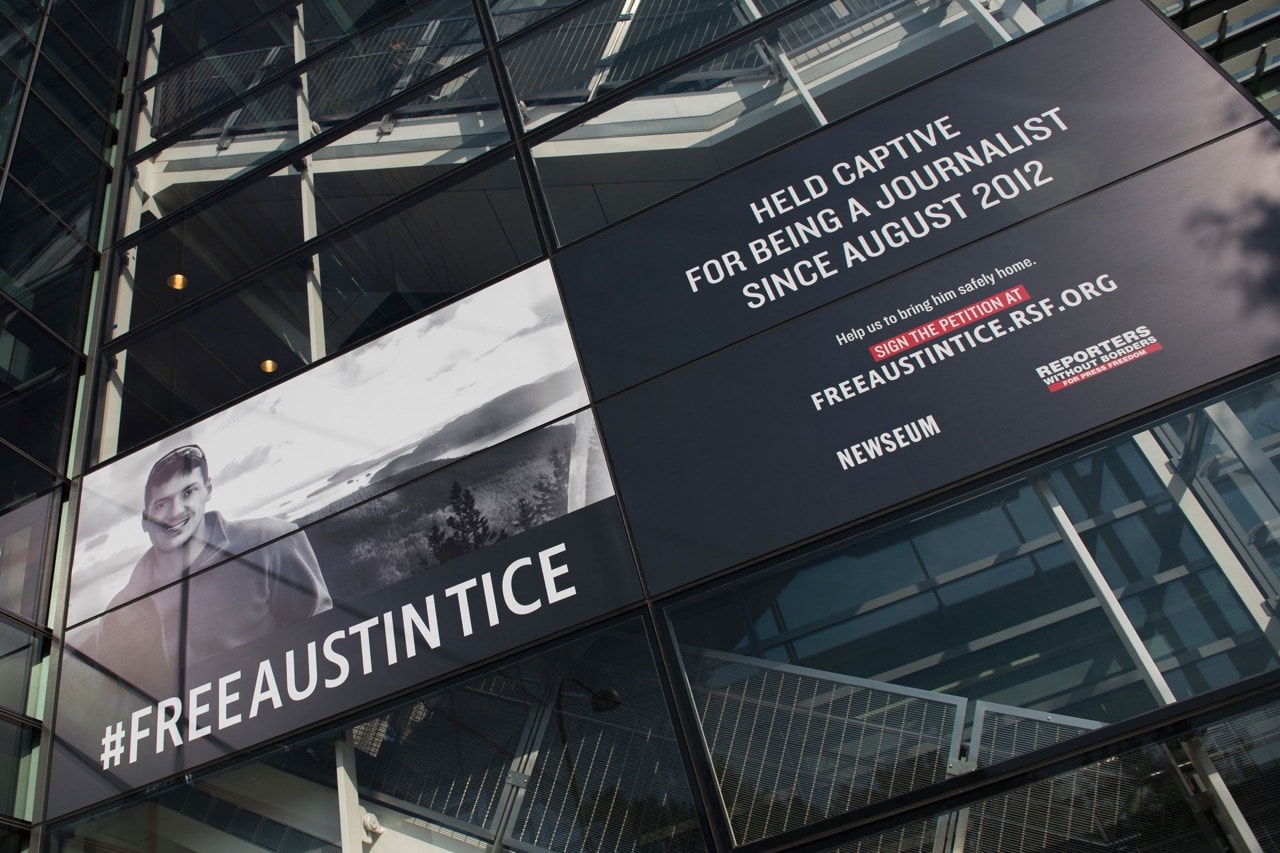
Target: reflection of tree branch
{"points": [[1250, 228]]}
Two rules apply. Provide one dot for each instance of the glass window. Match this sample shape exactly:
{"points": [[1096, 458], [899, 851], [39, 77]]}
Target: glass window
{"points": [[444, 127], [37, 419], [585, 724], [20, 478], [81, 54], [695, 124], [875, 649], [43, 263], [108, 17], [19, 650], [55, 166], [24, 14], [236, 30], [16, 746], [209, 357], [15, 50], [286, 803], [54, 286], [24, 538], [84, 118], [413, 258], [512, 16], [209, 248]]}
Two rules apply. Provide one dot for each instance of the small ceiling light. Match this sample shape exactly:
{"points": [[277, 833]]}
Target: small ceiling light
{"points": [[269, 366], [178, 281]]}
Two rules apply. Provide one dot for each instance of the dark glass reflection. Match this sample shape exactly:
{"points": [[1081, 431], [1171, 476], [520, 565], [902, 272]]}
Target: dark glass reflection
{"points": [[16, 744], [24, 533], [442, 128], [37, 419], [52, 283], [210, 356], [15, 50], [585, 725], [17, 654], [221, 242], [442, 245]]}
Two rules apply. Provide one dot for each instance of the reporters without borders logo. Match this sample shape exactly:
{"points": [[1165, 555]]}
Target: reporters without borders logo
{"points": [[1097, 358]]}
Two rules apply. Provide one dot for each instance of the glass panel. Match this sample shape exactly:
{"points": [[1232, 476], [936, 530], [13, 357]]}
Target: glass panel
{"points": [[211, 356], [92, 65], [11, 89], [27, 354], [24, 533], [25, 15], [512, 16], [20, 479], [72, 107], [288, 803], [54, 287], [16, 745], [223, 241], [445, 126], [108, 17], [269, 116], [460, 237], [36, 420], [351, 78], [597, 47], [15, 50], [695, 124], [55, 166], [343, 83], [586, 722], [73, 202], [17, 653], [386, 62], [186, 29]]}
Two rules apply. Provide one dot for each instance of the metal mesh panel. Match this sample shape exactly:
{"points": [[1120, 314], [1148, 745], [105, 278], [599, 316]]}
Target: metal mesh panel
{"points": [[608, 778], [194, 89], [791, 746], [1129, 802], [560, 62], [665, 30], [1246, 752], [449, 753]]}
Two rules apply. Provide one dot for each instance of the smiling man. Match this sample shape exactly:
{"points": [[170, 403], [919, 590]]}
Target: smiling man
{"points": [[207, 584]]}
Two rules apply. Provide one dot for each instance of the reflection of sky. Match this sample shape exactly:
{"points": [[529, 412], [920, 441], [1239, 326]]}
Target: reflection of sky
{"points": [[288, 440]]}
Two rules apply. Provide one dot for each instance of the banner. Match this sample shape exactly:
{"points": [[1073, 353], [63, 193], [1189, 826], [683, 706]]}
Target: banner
{"points": [[1047, 119], [428, 501], [1115, 302]]}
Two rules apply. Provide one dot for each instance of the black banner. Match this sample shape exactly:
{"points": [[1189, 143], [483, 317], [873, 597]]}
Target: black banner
{"points": [[1115, 302], [1054, 116], [113, 736]]}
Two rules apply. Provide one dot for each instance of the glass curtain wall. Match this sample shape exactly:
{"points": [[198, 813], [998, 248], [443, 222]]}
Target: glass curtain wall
{"points": [[1086, 594], [61, 63], [302, 179]]}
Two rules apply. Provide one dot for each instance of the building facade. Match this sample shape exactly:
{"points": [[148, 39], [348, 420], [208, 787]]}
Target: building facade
{"points": [[636, 425]]}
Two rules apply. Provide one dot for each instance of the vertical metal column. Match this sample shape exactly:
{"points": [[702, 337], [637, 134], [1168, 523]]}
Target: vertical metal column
{"points": [[307, 180]]}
